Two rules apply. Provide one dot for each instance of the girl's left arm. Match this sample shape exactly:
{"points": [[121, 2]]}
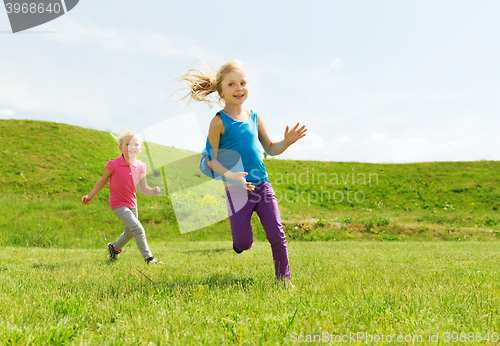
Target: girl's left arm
{"points": [[290, 137], [146, 189]]}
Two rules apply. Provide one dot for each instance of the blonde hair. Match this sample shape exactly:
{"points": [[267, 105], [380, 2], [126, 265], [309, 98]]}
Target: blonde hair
{"points": [[203, 83], [127, 133]]}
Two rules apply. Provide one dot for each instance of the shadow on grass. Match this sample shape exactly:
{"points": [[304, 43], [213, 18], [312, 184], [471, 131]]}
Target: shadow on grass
{"points": [[212, 281], [207, 251], [220, 280], [107, 263], [62, 266], [54, 266]]}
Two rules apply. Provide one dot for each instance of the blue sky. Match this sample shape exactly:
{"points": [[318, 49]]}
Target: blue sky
{"points": [[374, 81]]}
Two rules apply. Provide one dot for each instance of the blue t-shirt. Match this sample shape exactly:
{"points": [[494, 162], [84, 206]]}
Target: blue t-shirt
{"points": [[239, 150]]}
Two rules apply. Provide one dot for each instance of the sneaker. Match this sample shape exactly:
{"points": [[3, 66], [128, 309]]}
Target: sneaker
{"points": [[113, 253], [153, 260], [236, 250]]}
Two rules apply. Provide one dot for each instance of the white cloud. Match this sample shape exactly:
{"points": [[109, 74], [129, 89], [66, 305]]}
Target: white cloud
{"points": [[182, 131], [342, 139], [310, 141], [128, 40], [98, 82], [7, 112], [60, 93], [336, 63], [377, 138], [310, 147], [383, 148], [450, 146]]}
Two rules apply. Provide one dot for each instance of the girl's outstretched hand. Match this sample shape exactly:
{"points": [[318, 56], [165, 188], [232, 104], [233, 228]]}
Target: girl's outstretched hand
{"points": [[238, 177], [156, 190], [294, 134], [86, 199]]}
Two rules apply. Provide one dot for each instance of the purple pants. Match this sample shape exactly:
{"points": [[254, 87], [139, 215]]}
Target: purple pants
{"points": [[241, 204]]}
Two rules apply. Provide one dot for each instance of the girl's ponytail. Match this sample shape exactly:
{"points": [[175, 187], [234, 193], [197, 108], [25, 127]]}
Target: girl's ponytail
{"points": [[200, 84]]}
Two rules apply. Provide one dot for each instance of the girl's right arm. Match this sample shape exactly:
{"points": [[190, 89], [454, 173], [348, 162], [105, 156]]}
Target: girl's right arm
{"points": [[97, 187], [214, 132]]}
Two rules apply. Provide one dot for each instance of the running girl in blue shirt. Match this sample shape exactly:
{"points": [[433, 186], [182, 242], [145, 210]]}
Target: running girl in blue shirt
{"points": [[236, 130]]}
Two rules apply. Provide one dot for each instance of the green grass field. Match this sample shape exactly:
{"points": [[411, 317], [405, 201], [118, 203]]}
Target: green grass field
{"points": [[207, 294], [48, 167], [396, 249]]}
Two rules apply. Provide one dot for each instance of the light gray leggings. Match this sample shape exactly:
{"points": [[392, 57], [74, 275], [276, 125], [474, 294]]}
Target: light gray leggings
{"points": [[133, 229]]}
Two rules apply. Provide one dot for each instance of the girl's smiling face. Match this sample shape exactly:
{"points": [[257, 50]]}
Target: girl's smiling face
{"points": [[234, 89], [131, 147]]}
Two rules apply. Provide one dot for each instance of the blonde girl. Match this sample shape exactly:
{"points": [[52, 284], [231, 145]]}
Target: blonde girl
{"points": [[123, 174], [235, 130]]}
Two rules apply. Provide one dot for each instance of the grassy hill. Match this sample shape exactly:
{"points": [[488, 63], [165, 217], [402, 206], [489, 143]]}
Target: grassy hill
{"points": [[47, 167]]}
